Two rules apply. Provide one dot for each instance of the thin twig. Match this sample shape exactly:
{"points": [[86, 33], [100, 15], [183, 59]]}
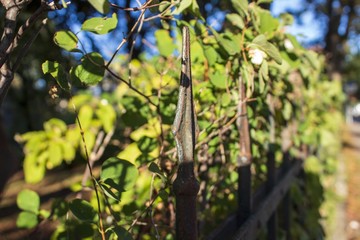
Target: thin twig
{"points": [[133, 46], [134, 9], [130, 86], [91, 174], [125, 39], [151, 207]]}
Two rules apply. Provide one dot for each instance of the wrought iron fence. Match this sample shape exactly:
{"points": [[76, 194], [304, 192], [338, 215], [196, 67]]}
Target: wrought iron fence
{"points": [[256, 210]]}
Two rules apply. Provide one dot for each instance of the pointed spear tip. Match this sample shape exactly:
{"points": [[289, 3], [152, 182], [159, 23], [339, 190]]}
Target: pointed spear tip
{"points": [[186, 42]]}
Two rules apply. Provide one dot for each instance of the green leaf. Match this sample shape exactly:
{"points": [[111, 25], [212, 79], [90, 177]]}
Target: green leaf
{"points": [[107, 116], [121, 172], [164, 42], [287, 19], [28, 200], [163, 195], [59, 208], [83, 210], [100, 25], [68, 151], [264, 70], [66, 40], [147, 144], [236, 20], [287, 110], [218, 78], [101, 6], [268, 24], [184, 4], [33, 171], [121, 233], [225, 99], [55, 155], [247, 73], [26, 220], [89, 140], [44, 213], [241, 6], [164, 5], [264, 1], [108, 192], [229, 42], [55, 125], [86, 114], [91, 70], [55, 71], [210, 54], [154, 168], [261, 42]]}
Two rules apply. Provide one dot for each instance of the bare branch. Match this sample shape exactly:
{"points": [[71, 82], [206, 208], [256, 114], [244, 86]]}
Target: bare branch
{"points": [[13, 9], [6, 76]]}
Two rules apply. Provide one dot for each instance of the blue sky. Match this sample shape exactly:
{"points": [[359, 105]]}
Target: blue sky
{"points": [[306, 29], [310, 28]]}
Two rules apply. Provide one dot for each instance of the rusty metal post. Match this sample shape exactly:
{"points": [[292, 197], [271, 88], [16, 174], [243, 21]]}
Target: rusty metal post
{"points": [[244, 159], [286, 206], [271, 167], [185, 186]]}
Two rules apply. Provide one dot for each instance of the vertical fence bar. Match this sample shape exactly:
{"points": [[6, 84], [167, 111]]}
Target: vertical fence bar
{"points": [[184, 129], [271, 168], [286, 144], [286, 206], [244, 159], [270, 184]]}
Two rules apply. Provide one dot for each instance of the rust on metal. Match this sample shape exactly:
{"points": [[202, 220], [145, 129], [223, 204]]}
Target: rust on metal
{"points": [[185, 186], [243, 128]]}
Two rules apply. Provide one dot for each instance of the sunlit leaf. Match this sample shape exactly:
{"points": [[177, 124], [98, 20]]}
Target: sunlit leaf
{"points": [[122, 172], [130, 153], [219, 78], [68, 151], [26, 220], [28, 200], [55, 125], [91, 70], [182, 6], [164, 42], [268, 24], [33, 171], [66, 40], [107, 116], [55, 155], [241, 6], [55, 71], [100, 25], [85, 116], [229, 42], [235, 20], [210, 54]]}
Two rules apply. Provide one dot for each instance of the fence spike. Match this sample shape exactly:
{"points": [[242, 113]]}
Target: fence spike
{"points": [[184, 129]]}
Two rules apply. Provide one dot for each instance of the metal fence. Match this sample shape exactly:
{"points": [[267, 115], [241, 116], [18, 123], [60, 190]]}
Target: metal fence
{"points": [[256, 210]]}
